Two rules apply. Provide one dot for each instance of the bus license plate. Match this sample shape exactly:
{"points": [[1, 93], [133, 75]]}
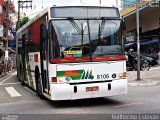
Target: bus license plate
{"points": [[94, 88]]}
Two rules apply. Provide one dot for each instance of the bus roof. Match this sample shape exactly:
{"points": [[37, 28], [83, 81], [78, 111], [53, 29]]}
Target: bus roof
{"points": [[84, 12], [72, 11]]}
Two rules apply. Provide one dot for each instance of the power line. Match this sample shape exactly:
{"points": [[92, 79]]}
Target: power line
{"points": [[23, 4], [42, 4]]}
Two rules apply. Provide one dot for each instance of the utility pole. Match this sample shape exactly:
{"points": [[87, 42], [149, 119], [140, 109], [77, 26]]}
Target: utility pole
{"points": [[138, 42], [100, 2], [6, 30], [21, 5]]}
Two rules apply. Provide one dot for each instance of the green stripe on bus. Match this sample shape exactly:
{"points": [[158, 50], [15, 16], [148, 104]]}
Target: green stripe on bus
{"points": [[74, 76], [79, 74]]}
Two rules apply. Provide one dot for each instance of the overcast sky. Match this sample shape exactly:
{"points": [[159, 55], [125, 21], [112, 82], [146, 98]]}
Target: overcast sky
{"points": [[39, 4]]}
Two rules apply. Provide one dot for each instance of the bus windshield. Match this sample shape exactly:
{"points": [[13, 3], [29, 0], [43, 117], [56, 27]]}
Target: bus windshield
{"points": [[85, 40]]}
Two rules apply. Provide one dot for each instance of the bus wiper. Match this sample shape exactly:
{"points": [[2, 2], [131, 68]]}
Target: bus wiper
{"points": [[75, 26], [89, 35], [82, 34]]}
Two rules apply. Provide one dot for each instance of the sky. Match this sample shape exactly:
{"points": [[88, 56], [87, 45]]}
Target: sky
{"points": [[39, 4]]}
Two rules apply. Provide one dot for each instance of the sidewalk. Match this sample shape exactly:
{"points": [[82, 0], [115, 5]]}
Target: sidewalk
{"points": [[148, 78], [7, 73]]}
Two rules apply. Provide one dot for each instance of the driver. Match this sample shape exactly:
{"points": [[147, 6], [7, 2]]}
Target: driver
{"points": [[103, 41]]}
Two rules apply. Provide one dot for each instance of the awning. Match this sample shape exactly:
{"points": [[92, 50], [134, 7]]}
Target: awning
{"points": [[11, 50], [4, 38], [149, 42], [10, 37], [129, 45]]}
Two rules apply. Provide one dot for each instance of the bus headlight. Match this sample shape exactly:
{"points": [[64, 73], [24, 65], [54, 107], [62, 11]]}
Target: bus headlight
{"points": [[63, 79], [122, 75]]}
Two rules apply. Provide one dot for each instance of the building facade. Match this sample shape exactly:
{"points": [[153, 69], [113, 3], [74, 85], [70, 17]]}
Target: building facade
{"points": [[149, 19], [149, 27], [3, 18], [127, 3]]}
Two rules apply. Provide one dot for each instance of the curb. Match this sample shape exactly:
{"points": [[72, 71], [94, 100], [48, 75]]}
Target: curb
{"points": [[143, 83]]}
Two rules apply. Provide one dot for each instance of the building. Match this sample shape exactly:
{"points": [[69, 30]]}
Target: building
{"points": [[149, 26], [3, 23], [127, 3], [149, 20]]}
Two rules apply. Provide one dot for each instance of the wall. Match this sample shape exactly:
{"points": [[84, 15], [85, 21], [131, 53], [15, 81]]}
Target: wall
{"points": [[149, 20]]}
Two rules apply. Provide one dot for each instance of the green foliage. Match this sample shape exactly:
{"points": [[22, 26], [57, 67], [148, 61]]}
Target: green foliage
{"points": [[22, 22]]}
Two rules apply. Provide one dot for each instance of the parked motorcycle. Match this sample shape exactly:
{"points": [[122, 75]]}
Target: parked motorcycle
{"points": [[144, 64]]}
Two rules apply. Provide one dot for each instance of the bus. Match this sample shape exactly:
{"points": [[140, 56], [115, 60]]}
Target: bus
{"points": [[73, 52]]}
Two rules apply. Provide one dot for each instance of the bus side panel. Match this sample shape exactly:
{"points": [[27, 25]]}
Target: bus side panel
{"points": [[32, 42]]}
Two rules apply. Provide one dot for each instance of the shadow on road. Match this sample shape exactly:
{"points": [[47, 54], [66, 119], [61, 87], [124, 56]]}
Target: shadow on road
{"points": [[84, 102]]}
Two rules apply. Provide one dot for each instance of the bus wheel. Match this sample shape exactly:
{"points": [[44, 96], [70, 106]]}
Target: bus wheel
{"points": [[39, 87], [21, 76]]}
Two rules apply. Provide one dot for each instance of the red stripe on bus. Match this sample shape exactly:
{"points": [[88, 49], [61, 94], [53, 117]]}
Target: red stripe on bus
{"points": [[118, 57], [70, 72]]}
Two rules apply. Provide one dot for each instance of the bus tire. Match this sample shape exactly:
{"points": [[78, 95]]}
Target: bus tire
{"points": [[39, 86], [21, 76]]}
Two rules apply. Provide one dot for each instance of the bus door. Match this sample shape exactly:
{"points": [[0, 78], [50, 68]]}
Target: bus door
{"points": [[22, 65], [44, 64]]}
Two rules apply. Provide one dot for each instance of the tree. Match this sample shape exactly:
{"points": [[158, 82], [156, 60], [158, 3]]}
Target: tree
{"points": [[22, 22]]}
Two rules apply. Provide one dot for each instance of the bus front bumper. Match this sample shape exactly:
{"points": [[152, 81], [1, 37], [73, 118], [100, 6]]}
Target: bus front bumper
{"points": [[92, 90]]}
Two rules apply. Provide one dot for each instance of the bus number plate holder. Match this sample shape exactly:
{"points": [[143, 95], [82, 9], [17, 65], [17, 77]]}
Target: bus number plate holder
{"points": [[94, 88]]}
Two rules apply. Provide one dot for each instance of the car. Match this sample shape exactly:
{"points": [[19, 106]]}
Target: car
{"points": [[149, 59], [159, 57]]}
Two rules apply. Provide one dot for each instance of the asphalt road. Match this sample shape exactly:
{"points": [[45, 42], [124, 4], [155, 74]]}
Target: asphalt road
{"points": [[24, 103]]}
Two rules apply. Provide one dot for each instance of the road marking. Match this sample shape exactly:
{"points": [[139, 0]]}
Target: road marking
{"points": [[155, 68], [124, 105], [7, 78], [30, 90], [12, 92], [10, 83]]}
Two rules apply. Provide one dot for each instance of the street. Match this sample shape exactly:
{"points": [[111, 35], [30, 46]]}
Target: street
{"points": [[18, 99], [78, 49]]}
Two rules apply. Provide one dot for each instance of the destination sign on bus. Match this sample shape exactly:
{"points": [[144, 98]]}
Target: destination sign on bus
{"points": [[84, 12]]}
